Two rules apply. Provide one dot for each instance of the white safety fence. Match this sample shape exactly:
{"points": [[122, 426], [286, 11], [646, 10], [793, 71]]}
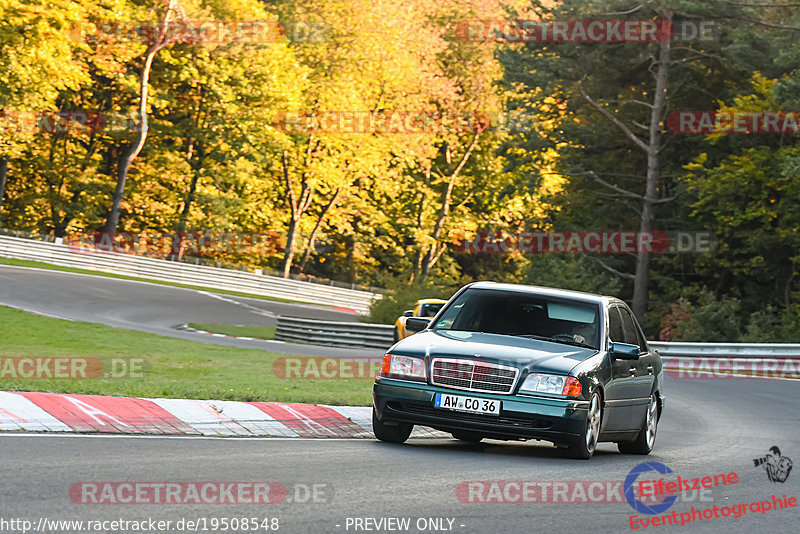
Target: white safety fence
{"points": [[183, 273], [381, 336]]}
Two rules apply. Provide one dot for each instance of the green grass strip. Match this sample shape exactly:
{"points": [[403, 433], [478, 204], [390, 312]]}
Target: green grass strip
{"points": [[260, 332], [172, 368]]}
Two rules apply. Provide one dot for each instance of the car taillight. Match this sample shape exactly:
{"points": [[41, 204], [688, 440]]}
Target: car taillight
{"points": [[572, 387], [403, 367]]}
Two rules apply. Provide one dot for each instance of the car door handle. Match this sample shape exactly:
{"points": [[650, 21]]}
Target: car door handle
{"points": [[633, 371], [649, 369]]}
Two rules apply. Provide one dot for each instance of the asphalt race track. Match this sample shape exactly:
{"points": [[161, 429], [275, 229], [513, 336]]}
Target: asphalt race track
{"points": [[157, 308], [709, 427]]}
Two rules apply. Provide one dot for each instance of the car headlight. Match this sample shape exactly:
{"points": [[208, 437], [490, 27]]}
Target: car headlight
{"points": [[547, 383], [403, 366]]}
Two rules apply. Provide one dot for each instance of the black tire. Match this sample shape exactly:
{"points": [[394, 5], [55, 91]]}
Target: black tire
{"points": [[396, 335], [646, 438], [469, 437], [584, 448], [397, 433]]}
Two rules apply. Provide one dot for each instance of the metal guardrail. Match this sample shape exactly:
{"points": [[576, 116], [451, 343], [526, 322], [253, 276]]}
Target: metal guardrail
{"points": [[198, 275], [126, 245], [675, 349], [340, 334], [381, 336]]}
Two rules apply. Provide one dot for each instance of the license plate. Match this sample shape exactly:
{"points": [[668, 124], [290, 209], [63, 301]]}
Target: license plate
{"points": [[460, 403]]}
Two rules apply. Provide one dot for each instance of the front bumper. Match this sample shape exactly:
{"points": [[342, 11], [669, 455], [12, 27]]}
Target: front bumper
{"points": [[558, 420]]}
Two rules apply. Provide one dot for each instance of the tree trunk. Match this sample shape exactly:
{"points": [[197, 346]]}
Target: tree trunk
{"points": [[313, 236], [3, 176], [642, 275], [196, 167], [432, 256], [130, 155], [420, 220], [291, 245], [127, 159], [444, 211], [297, 206], [350, 255]]}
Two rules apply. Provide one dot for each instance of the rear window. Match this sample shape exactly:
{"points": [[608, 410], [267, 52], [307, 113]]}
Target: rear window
{"points": [[429, 310]]}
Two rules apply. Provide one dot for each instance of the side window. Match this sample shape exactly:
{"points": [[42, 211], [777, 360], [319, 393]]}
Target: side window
{"points": [[631, 332], [615, 331]]}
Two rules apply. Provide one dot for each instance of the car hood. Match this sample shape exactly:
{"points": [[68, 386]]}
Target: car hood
{"points": [[524, 353]]}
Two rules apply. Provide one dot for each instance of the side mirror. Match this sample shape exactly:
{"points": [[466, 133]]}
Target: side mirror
{"points": [[417, 324], [408, 313], [624, 351]]}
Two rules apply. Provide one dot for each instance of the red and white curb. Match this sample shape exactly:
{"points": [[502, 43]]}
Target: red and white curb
{"points": [[52, 412]]}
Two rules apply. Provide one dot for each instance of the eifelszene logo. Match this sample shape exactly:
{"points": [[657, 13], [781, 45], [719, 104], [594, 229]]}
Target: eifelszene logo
{"points": [[777, 467], [630, 487]]}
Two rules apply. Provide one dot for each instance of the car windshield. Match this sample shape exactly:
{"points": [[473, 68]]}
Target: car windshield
{"points": [[523, 314], [430, 309]]}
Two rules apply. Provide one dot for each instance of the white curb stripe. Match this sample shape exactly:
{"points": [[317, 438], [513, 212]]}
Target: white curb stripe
{"points": [[360, 415], [213, 418], [223, 418], [254, 420], [18, 413], [201, 417]]}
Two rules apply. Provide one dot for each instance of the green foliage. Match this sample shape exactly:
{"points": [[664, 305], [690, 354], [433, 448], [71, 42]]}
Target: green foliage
{"points": [[384, 208], [566, 271], [773, 325], [705, 319]]}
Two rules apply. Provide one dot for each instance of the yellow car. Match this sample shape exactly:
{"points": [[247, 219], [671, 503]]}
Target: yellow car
{"points": [[423, 308]]}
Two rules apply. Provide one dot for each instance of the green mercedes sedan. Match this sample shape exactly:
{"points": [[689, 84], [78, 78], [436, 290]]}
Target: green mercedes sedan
{"points": [[514, 362]]}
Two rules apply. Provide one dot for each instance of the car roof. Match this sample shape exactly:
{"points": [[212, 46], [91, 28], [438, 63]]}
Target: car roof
{"points": [[548, 291], [431, 301]]}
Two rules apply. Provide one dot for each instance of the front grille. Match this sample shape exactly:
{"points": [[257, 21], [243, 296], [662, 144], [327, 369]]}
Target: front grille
{"points": [[473, 375]]}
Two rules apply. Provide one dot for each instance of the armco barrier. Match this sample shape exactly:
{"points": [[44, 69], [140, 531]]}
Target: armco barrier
{"points": [[183, 273], [381, 336], [726, 350], [340, 334]]}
